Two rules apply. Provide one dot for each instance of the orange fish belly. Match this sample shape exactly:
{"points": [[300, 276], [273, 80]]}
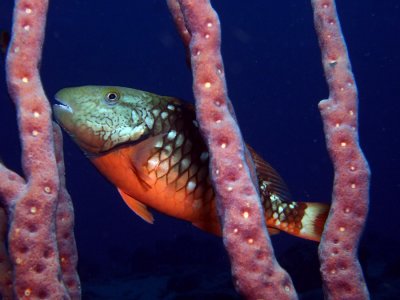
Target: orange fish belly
{"points": [[172, 189]]}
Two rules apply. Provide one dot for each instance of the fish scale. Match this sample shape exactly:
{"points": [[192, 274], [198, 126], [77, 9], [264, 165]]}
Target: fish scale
{"points": [[178, 163], [151, 149]]}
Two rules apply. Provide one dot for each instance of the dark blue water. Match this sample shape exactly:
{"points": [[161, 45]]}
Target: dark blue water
{"points": [[275, 81]]}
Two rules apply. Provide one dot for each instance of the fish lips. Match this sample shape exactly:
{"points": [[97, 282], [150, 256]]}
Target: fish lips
{"points": [[63, 112]]}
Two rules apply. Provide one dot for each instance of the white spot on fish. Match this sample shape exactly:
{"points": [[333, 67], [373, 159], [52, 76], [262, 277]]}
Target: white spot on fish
{"points": [[149, 120], [191, 185], [274, 197], [153, 163], [171, 135], [159, 144], [171, 107], [185, 163], [164, 115], [168, 149], [133, 133], [179, 141], [264, 185]]}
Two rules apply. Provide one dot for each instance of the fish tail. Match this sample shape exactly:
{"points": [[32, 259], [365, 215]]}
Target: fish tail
{"points": [[313, 221]]}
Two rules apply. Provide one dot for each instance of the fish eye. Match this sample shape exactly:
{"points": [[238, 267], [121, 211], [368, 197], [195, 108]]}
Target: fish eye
{"points": [[112, 97]]}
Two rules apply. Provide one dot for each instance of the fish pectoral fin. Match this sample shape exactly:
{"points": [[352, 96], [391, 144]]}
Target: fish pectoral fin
{"points": [[138, 208], [273, 231], [140, 157]]}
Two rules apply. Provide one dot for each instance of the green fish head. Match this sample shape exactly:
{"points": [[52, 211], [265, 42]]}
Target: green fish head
{"points": [[99, 118]]}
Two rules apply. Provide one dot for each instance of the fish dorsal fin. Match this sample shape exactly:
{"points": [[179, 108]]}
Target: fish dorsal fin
{"points": [[266, 172], [138, 208]]}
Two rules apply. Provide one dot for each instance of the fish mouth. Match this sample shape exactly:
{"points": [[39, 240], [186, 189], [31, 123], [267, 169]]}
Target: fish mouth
{"points": [[63, 107], [63, 111], [62, 104], [60, 110]]}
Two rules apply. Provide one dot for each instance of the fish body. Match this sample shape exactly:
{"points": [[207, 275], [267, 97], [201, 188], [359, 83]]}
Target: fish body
{"points": [[151, 149]]}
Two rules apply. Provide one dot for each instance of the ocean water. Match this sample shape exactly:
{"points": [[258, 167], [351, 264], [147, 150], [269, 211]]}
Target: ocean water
{"points": [[275, 81]]}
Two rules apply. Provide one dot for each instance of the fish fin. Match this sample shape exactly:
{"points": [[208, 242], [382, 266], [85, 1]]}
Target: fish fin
{"points": [[315, 214], [273, 231], [141, 155], [138, 208], [267, 173], [313, 221]]}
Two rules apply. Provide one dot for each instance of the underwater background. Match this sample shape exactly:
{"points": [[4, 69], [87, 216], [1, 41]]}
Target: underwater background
{"points": [[275, 81]]}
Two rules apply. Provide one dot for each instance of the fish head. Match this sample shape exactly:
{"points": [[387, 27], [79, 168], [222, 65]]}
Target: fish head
{"points": [[100, 118]]}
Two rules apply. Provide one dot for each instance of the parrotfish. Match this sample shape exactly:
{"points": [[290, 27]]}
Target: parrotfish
{"points": [[151, 149]]}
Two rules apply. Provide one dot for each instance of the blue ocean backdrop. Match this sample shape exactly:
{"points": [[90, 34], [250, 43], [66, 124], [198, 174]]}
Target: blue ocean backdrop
{"points": [[275, 81]]}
